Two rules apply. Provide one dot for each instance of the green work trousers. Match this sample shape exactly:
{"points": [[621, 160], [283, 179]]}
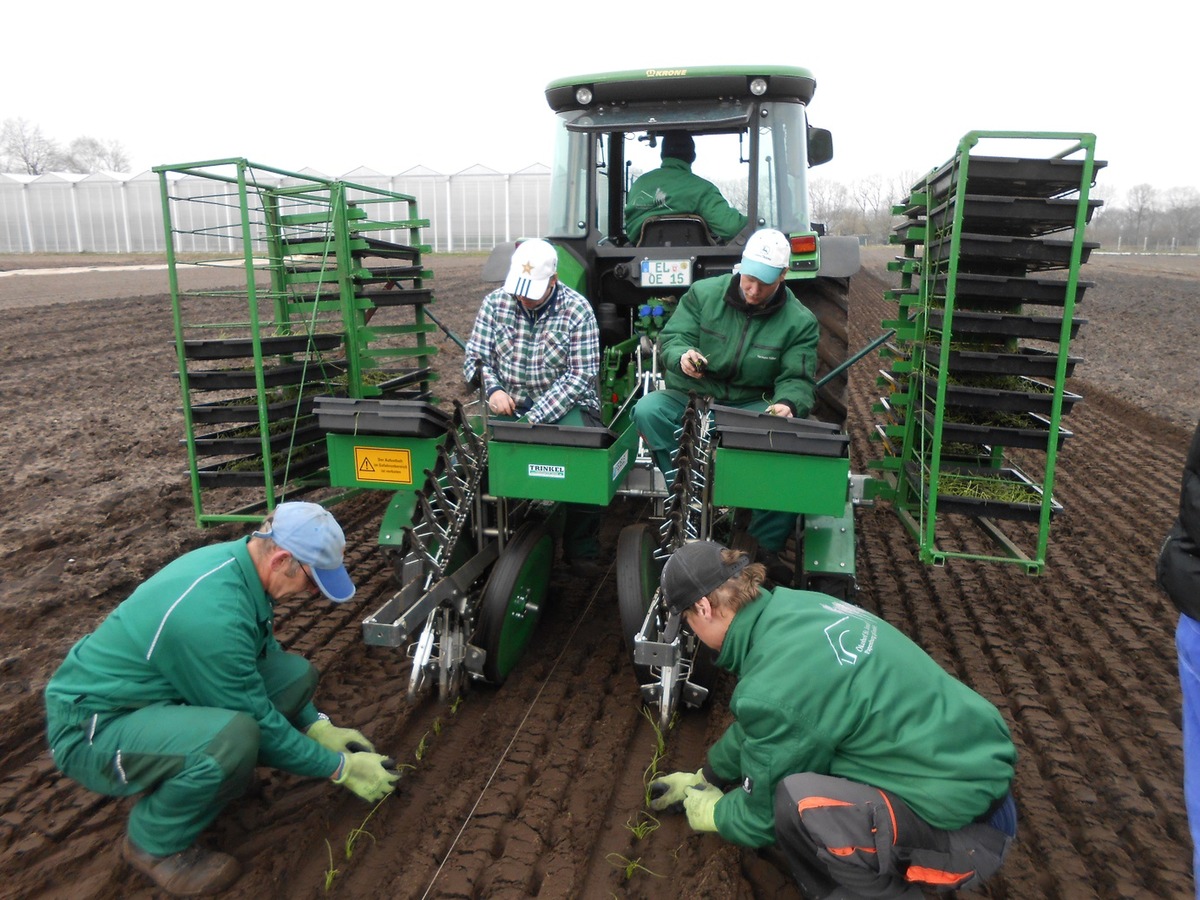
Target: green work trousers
{"points": [[658, 416], [187, 762]]}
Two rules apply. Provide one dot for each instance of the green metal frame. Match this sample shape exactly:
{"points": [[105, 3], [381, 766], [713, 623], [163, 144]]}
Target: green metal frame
{"points": [[301, 253], [922, 445]]}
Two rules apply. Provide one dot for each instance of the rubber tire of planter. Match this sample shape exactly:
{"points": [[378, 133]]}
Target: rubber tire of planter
{"points": [[512, 599], [637, 579]]}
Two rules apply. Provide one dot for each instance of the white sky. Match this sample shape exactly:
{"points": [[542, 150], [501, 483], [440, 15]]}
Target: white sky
{"points": [[335, 86]]}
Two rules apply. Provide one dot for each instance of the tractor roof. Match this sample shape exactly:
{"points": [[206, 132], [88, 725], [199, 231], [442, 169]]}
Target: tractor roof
{"points": [[694, 83]]}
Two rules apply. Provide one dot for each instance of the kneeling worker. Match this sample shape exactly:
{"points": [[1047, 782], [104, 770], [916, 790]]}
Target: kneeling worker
{"points": [[183, 690], [871, 769]]}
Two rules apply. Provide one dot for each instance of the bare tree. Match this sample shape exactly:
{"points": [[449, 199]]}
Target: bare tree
{"points": [[25, 148], [1181, 216], [87, 155], [1142, 200]]}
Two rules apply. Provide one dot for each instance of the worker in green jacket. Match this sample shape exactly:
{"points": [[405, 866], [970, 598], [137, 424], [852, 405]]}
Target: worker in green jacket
{"points": [[743, 340], [183, 689], [674, 189], [872, 771]]}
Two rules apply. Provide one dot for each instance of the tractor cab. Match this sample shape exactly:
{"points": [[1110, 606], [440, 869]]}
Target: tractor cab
{"points": [[752, 141]]}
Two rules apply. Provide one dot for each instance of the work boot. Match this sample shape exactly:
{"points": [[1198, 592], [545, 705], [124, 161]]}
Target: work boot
{"points": [[194, 872]]}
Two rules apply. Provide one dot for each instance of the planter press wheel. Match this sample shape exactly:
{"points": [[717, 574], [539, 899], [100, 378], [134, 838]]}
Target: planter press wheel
{"points": [[512, 599], [638, 575]]}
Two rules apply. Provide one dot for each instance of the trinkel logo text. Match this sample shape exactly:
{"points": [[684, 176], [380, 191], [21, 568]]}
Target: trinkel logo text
{"points": [[540, 471]]}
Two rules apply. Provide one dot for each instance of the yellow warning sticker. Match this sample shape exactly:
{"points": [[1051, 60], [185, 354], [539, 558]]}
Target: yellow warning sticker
{"points": [[383, 464]]}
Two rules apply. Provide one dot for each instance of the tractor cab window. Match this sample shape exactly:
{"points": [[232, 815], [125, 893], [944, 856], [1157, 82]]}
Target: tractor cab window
{"points": [[756, 156], [782, 166], [721, 160], [569, 179]]}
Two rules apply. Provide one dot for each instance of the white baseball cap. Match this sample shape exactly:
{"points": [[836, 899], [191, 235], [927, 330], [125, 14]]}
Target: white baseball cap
{"points": [[767, 254], [534, 263]]}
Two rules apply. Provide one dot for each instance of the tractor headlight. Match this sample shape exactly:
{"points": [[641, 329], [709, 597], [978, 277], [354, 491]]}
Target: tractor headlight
{"points": [[583, 96], [758, 86]]}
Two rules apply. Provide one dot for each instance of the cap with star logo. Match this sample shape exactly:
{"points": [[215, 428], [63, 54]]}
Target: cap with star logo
{"points": [[534, 263]]}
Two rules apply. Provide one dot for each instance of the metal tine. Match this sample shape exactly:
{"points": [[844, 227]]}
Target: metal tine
{"points": [[431, 516], [419, 544]]}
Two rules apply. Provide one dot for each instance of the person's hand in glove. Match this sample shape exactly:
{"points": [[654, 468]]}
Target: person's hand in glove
{"points": [[667, 791], [371, 776], [339, 740], [700, 804]]}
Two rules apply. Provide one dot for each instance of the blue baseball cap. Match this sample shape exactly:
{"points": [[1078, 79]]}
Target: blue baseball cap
{"points": [[312, 535]]}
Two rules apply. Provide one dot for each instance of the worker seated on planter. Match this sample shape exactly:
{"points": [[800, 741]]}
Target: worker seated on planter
{"points": [[743, 340], [674, 189], [535, 352], [853, 755], [183, 690]]}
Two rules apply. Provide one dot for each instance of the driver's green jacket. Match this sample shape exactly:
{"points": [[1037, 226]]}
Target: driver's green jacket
{"points": [[766, 353], [826, 687], [192, 633], [673, 188]]}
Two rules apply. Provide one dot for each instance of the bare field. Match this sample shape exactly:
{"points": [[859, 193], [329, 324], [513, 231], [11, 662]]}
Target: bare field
{"points": [[530, 790]]}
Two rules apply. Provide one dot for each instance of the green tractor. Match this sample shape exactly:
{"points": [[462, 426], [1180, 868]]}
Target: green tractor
{"points": [[752, 138], [972, 383]]}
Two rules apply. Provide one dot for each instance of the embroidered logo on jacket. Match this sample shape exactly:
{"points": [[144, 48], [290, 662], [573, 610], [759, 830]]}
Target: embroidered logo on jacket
{"points": [[853, 635]]}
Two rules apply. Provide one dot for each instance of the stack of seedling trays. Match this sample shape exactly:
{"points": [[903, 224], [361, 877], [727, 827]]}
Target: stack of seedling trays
{"points": [[986, 316], [228, 429]]}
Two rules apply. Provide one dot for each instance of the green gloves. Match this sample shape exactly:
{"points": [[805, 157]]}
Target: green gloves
{"points": [[339, 740], [669, 790], [700, 804], [371, 776]]}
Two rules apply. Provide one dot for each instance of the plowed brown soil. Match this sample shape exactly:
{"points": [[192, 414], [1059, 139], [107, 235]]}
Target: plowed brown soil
{"points": [[531, 790]]}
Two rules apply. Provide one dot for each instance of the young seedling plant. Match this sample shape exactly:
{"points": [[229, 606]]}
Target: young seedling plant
{"points": [[641, 823], [629, 866]]}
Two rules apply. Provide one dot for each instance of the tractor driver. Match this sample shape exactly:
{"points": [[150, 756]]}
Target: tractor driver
{"points": [[744, 340], [183, 690], [868, 767], [536, 346], [674, 188]]}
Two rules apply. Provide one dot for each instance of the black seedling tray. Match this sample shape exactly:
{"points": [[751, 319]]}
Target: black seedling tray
{"points": [[1003, 325], [236, 348], [1009, 253], [237, 440], [246, 410], [222, 475], [406, 418], [999, 290], [1035, 400], [1035, 435], [1025, 361], [742, 429], [556, 435], [1020, 216], [814, 444], [1012, 176], [273, 376], [397, 296], [980, 507], [724, 416]]}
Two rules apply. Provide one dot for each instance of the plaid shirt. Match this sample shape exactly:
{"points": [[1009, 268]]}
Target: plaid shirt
{"points": [[546, 360]]}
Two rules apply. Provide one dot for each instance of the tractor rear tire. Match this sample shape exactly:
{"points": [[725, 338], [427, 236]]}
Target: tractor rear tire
{"points": [[829, 300]]}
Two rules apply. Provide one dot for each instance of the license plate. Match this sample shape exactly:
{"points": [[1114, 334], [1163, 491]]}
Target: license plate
{"points": [[666, 272]]}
